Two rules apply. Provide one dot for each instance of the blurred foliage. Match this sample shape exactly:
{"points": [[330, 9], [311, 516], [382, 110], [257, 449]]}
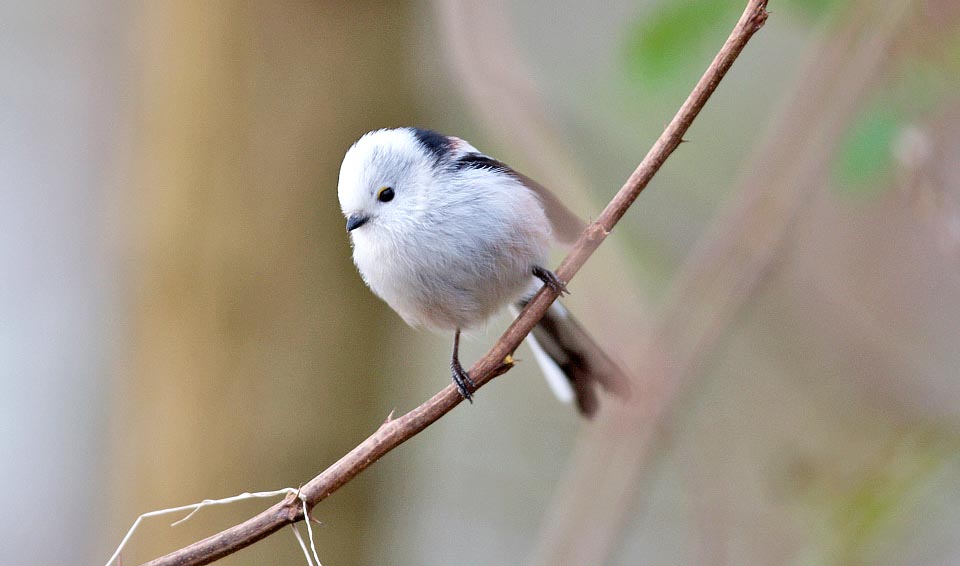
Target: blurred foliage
{"points": [[923, 79], [812, 10], [863, 165], [858, 515], [664, 46], [670, 44]]}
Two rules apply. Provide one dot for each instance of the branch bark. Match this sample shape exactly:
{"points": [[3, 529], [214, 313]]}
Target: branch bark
{"points": [[394, 432]]}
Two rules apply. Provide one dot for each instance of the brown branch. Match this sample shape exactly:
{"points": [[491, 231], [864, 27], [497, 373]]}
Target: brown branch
{"points": [[394, 432]]}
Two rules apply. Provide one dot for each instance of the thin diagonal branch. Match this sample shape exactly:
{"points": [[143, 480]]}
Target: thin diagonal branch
{"points": [[394, 432]]}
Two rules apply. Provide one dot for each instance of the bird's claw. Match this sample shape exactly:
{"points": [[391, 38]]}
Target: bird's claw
{"points": [[551, 280], [462, 380]]}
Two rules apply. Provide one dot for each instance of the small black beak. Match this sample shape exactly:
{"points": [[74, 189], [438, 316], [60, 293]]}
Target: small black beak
{"points": [[355, 221]]}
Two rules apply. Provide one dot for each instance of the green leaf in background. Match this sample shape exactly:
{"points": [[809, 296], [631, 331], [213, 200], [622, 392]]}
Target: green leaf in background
{"points": [[882, 499], [674, 36], [864, 161], [918, 86], [812, 10]]}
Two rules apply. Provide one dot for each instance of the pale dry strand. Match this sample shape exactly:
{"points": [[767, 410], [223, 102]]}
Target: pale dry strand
{"points": [[195, 507]]}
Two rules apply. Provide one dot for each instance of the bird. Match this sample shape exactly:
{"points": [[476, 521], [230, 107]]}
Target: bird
{"points": [[448, 237]]}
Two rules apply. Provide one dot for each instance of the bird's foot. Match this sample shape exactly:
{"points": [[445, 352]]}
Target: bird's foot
{"points": [[551, 280], [462, 380]]}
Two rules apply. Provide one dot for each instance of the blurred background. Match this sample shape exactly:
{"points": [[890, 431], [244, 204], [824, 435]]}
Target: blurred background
{"points": [[180, 318]]}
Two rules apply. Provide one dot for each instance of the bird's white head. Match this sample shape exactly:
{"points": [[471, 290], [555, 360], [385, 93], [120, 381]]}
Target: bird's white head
{"points": [[386, 177]]}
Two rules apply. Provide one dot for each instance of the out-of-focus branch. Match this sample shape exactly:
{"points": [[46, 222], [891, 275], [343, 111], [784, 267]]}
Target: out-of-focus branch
{"points": [[394, 432], [725, 268], [501, 91]]}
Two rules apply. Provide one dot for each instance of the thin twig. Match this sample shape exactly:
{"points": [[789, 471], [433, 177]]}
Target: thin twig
{"points": [[393, 433]]}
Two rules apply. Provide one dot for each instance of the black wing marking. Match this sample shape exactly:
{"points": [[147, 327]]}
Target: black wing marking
{"points": [[437, 144]]}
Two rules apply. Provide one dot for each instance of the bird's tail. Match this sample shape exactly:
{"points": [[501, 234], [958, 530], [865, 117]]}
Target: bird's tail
{"points": [[573, 363]]}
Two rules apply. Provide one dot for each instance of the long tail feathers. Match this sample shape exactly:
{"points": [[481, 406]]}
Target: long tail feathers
{"points": [[573, 363]]}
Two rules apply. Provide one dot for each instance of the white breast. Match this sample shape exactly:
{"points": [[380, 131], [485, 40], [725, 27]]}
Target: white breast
{"points": [[461, 259]]}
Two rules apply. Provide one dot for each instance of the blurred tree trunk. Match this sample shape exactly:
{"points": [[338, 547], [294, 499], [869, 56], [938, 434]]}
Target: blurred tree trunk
{"points": [[245, 369]]}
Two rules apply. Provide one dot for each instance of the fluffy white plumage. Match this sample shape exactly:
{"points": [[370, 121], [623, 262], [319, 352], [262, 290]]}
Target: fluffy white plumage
{"points": [[458, 240], [448, 236]]}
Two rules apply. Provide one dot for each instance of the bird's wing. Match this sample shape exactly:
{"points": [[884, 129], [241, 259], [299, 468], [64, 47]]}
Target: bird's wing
{"points": [[566, 225]]}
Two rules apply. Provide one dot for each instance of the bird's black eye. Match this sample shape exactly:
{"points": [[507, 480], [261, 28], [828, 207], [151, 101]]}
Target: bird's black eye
{"points": [[385, 194]]}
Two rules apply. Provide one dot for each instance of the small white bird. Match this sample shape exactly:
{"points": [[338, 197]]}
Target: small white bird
{"points": [[448, 236]]}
